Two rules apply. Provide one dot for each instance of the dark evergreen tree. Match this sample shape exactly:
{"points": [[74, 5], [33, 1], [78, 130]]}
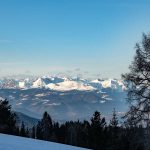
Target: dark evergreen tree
{"points": [[27, 132], [62, 134], [114, 120], [130, 139], [39, 131], [17, 131], [55, 133], [7, 118], [72, 129], [83, 134], [44, 127], [33, 133], [23, 130], [114, 141], [46, 123], [96, 132]]}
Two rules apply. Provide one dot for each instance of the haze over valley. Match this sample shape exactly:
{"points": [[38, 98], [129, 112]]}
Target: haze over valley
{"points": [[65, 98]]}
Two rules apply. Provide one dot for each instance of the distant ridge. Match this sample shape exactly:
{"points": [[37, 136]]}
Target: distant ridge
{"points": [[28, 121], [64, 98]]}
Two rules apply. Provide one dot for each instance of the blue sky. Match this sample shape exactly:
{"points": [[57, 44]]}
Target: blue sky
{"points": [[95, 38]]}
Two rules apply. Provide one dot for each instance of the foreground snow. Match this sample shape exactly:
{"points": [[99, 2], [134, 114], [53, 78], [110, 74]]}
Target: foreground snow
{"points": [[9, 142]]}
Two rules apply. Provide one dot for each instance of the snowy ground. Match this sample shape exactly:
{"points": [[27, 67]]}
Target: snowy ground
{"points": [[9, 142]]}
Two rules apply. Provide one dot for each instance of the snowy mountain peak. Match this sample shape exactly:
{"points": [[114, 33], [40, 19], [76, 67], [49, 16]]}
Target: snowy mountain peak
{"points": [[109, 83], [64, 83], [39, 83], [70, 85]]}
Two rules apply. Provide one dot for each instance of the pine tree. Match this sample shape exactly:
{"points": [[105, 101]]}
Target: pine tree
{"points": [[46, 126], [7, 118], [27, 132], [113, 132], [33, 133], [114, 120], [97, 121], [62, 134], [96, 133], [39, 131], [83, 134], [22, 130], [55, 134]]}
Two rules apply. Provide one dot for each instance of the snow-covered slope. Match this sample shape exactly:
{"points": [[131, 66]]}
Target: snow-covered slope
{"points": [[9, 142]]}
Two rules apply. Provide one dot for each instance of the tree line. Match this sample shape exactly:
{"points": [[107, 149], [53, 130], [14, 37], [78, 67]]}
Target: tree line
{"points": [[94, 134]]}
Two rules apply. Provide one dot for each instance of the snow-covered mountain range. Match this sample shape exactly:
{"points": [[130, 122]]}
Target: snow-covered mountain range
{"points": [[62, 83], [64, 98]]}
